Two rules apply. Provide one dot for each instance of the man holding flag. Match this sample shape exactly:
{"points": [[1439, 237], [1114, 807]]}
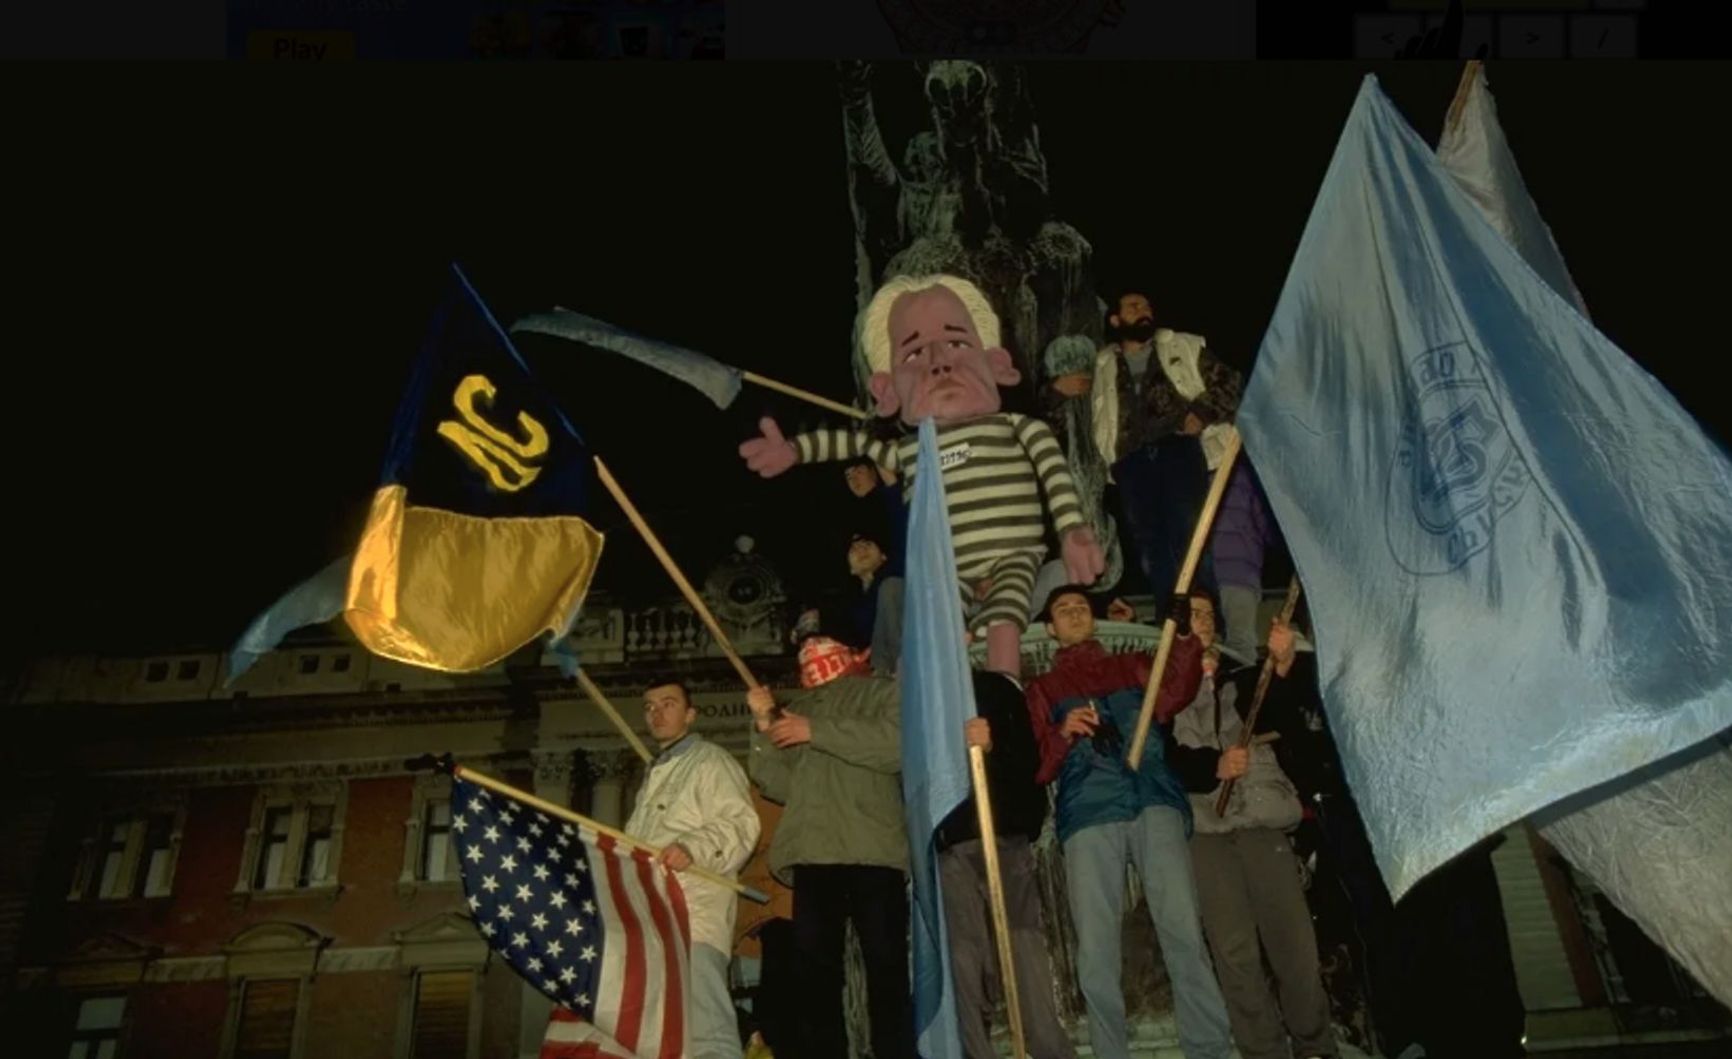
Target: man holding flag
{"points": [[696, 806], [830, 754]]}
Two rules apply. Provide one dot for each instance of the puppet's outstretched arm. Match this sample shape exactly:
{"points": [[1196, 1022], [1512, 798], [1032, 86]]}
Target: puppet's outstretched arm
{"points": [[770, 453]]}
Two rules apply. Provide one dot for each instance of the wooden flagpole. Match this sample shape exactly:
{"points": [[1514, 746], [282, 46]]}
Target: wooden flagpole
{"points": [[804, 395], [560, 811], [995, 892], [1169, 630], [613, 715], [685, 586], [1263, 679]]}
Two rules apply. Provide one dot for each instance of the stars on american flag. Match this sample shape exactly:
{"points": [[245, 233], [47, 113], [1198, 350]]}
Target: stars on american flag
{"points": [[532, 895]]}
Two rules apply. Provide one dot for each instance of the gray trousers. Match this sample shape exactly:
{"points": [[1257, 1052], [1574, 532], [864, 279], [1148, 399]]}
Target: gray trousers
{"points": [[1253, 904], [1095, 859], [713, 1029], [974, 950]]}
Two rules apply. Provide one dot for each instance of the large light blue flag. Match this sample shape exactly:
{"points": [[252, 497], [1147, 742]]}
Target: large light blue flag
{"points": [[1517, 546], [937, 700], [318, 599]]}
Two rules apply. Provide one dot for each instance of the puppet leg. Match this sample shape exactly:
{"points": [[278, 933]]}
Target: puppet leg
{"points": [[1004, 611]]}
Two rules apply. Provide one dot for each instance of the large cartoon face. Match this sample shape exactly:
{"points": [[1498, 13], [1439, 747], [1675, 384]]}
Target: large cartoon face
{"points": [[938, 367]]}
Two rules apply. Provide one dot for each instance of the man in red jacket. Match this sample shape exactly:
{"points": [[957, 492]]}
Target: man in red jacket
{"points": [[1111, 817]]}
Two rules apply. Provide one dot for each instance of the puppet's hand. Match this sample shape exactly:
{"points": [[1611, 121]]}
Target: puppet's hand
{"points": [[1083, 559], [771, 454]]}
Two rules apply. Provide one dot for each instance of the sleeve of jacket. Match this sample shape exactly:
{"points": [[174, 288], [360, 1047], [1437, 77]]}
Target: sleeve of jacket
{"points": [[872, 742], [1014, 758], [1050, 745], [1222, 387], [730, 829], [1179, 684], [771, 768], [1194, 765], [1306, 756]]}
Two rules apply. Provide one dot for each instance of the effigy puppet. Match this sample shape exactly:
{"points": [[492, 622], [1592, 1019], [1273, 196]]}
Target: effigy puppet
{"points": [[933, 345]]}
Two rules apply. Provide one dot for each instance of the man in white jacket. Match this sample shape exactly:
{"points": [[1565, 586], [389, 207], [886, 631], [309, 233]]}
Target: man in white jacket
{"points": [[696, 805], [1162, 409]]}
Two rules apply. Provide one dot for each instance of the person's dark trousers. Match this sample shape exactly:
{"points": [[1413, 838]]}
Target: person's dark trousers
{"points": [[1374, 945], [1161, 493], [776, 1007], [826, 897], [1446, 938], [1456, 941]]}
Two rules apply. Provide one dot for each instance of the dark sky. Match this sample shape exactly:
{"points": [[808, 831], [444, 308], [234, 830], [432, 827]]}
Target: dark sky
{"points": [[217, 279]]}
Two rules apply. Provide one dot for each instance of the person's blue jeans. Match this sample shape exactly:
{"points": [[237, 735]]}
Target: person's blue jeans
{"points": [[713, 1027], [1095, 859], [1161, 493]]}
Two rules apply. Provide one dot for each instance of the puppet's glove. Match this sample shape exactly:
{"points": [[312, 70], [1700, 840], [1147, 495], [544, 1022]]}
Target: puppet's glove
{"points": [[1084, 561], [771, 454]]}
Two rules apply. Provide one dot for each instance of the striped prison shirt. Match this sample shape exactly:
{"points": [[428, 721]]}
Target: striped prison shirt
{"points": [[995, 469]]}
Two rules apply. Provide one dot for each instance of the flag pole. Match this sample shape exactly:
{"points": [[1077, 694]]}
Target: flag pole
{"points": [[500, 787], [804, 395], [995, 892], [1287, 607], [607, 708], [1169, 630], [685, 587]]}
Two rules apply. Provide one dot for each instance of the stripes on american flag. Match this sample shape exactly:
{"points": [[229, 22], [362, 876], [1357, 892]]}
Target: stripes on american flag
{"points": [[596, 926]]}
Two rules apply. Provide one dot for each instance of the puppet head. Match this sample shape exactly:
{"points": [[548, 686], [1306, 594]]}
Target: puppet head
{"points": [[823, 660], [933, 345]]}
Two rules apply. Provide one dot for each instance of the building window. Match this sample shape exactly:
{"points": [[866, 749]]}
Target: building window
{"points": [[430, 848], [309, 664], [273, 847], [132, 855], [438, 853], [265, 1028], [156, 672], [316, 849], [340, 664], [96, 1029], [295, 840], [443, 1002], [187, 670]]}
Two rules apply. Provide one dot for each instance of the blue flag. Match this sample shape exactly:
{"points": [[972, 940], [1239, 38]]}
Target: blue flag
{"points": [[316, 600], [1516, 545], [715, 380], [937, 701]]}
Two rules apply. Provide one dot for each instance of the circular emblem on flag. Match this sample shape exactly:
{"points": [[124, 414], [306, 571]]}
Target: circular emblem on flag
{"points": [[958, 26], [1456, 472]]}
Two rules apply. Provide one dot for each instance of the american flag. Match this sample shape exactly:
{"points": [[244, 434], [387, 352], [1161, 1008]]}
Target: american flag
{"points": [[597, 926]]}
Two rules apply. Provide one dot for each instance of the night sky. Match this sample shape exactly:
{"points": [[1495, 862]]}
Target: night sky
{"points": [[216, 281]]}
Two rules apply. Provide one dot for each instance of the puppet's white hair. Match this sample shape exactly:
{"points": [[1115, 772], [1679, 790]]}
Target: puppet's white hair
{"points": [[875, 319]]}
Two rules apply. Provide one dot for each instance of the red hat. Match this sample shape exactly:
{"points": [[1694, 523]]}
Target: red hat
{"points": [[823, 660]]}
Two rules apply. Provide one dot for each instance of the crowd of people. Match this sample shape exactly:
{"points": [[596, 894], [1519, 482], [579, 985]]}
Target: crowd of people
{"points": [[1235, 895]]}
